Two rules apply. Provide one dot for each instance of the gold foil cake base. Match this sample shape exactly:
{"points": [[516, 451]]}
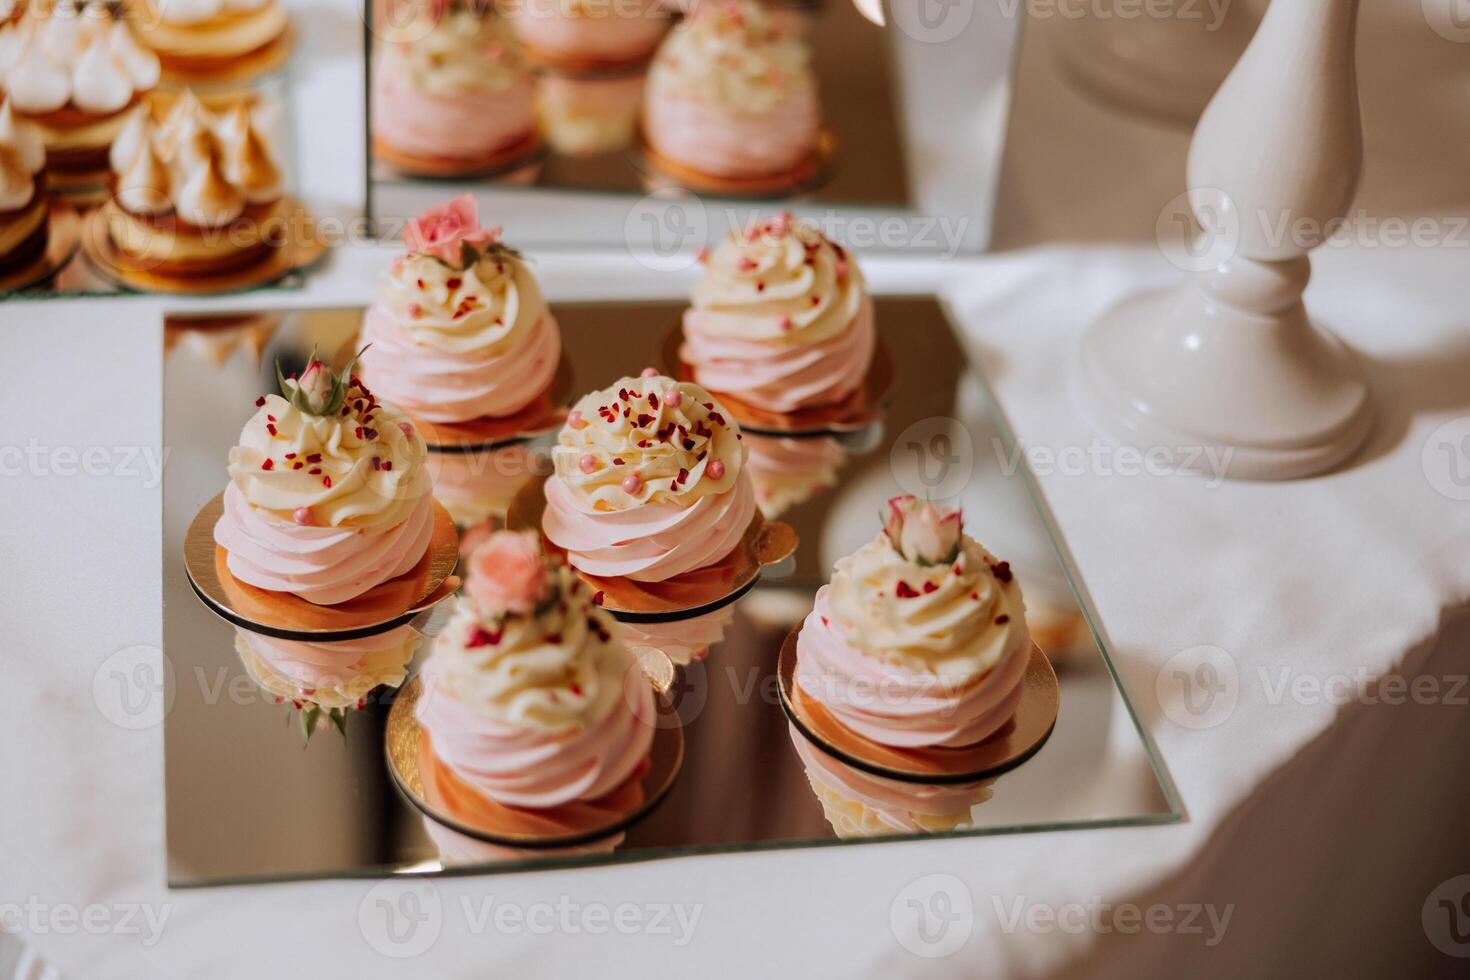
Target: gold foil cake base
{"points": [[63, 234], [704, 590], [806, 176], [507, 161], [444, 798], [863, 407], [288, 616], [1020, 739], [302, 249]]}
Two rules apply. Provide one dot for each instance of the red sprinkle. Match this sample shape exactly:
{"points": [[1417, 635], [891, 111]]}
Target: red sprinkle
{"points": [[1002, 619], [314, 458], [270, 418], [975, 596], [453, 283], [388, 465], [930, 587], [260, 401], [904, 590], [327, 482], [1002, 571], [268, 465], [315, 471], [270, 428], [598, 597]]}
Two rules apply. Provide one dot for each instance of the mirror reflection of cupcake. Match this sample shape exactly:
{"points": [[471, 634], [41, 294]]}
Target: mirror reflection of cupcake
{"points": [[730, 97], [920, 639], [209, 35], [858, 804], [333, 676], [194, 193], [458, 850], [788, 472], [529, 699], [74, 69], [452, 93], [477, 488], [684, 640], [650, 482], [587, 116], [24, 226], [781, 319], [328, 494], [588, 34]]}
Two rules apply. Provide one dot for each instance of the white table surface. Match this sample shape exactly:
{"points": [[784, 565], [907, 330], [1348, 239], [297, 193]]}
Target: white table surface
{"points": [[1312, 822]]}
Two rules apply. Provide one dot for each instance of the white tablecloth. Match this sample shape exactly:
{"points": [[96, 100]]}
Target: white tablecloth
{"points": [[1310, 823]]}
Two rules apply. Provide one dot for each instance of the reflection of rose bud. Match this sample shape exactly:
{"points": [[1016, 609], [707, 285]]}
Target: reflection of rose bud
{"points": [[506, 574]]}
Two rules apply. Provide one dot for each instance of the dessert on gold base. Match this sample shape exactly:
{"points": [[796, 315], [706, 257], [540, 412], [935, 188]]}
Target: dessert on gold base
{"points": [[25, 226], [63, 236], [198, 205], [807, 174], [782, 328], [916, 661], [328, 526], [651, 501], [534, 723], [516, 163], [460, 337], [452, 94], [74, 71], [204, 41], [732, 107]]}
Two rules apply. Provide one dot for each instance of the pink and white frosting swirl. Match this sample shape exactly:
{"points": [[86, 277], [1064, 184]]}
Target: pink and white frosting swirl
{"points": [[684, 640], [451, 344], [335, 674], [910, 654], [650, 481], [604, 30], [787, 472], [859, 805], [730, 95], [456, 87], [326, 507], [536, 710], [781, 318]]}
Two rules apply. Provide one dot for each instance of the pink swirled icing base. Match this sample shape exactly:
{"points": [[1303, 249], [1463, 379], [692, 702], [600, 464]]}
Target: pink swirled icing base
{"points": [[781, 378], [466, 127], [893, 705], [323, 565], [524, 767], [736, 145], [312, 666], [650, 543], [439, 386]]}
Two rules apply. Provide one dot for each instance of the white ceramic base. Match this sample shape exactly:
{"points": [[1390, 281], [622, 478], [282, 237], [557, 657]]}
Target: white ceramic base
{"points": [[1181, 372]]}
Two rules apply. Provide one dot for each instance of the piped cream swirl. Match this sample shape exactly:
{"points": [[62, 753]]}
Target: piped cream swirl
{"points": [[732, 57]]}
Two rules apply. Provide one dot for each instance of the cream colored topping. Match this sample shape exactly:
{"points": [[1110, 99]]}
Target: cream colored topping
{"points": [[488, 307], [731, 56], [955, 620], [631, 430], [460, 55], [53, 58]]}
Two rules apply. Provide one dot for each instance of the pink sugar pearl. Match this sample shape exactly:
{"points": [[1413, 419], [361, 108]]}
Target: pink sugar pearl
{"points": [[576, 421], [588, 463], [673, 398], [303, 516], [716, 470], [649, 373], [632, 483]]}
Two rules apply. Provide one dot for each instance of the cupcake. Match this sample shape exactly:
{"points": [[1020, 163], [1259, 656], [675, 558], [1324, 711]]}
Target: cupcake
{"points": [[23, 208], [781, 319], [459, 330], [194, 194], [478, 487], [528, 698], [334, 675], [452, 93], [920, 639], [587, 116], [730, 97], [589, 34], [858, 804], [74, 70], [328, 494], [649, 483], [204, 36], [787, 472]]}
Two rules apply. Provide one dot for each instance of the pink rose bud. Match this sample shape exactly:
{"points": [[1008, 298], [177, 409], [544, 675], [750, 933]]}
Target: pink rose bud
{"points": [[673, 398], [445, 231], [648, 372], [632, 483], [588, 463], [316, 385], [508, 574], [575, 420], [303, 516], [716, 470], [922, 532]]}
